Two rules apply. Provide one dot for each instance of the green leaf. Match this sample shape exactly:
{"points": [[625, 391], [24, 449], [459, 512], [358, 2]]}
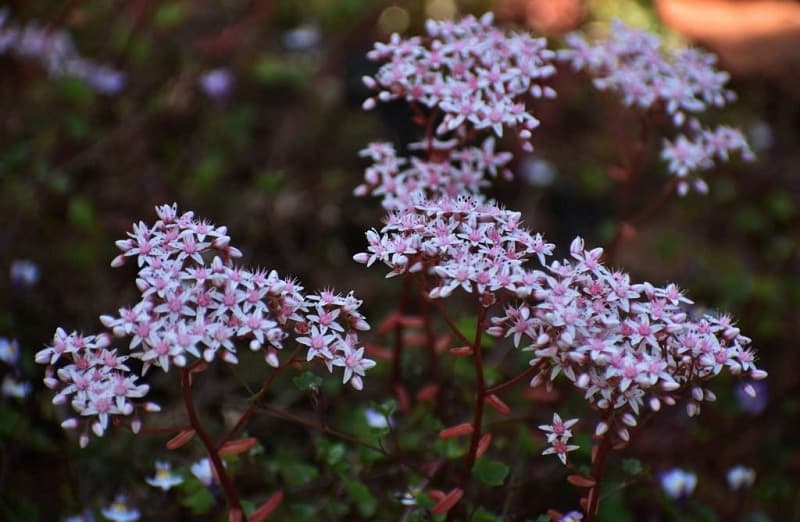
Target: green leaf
{"points": [[632, 466], [490, 472], [200, 501], [169, 15], [297, 474], [361, 496], [307, 381], [81, 214]]}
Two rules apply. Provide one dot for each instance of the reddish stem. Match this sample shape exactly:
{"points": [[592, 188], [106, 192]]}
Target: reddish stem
{"points": [[255, 400], [511, 382], [480, 394], [234, 503], [598, 469]]}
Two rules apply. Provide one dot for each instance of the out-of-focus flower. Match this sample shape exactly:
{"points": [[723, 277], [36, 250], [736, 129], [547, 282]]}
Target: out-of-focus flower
{"points": [[55, 51], [217, 84], [24, 273], [572, 516], [9, 351], [678, 483], [302, 38], [537, 171], [164, 478], [119, 511], [751, 396], [202, 470], [760, 135], [86, 516], [14, 388], [376, 419], [740, 477]]}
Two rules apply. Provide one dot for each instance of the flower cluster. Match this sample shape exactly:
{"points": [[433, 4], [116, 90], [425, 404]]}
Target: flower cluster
{"points": [[401, 181], [475, 75], [621, 343], [55, 51], [459, 243], [195, 303], [558, 435], [634, 64]]}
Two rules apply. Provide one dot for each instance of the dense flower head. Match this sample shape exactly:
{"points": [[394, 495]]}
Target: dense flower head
{"points": [[683, 82], [458, 243], [196, 304], [56, 53], [455, 170], [474, 74], [621, 343]]}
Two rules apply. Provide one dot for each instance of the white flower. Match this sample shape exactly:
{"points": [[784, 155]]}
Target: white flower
{"points": [[9, 351], [740, 477], [203, 471], [164, 478], [376, 419], [119, 511], [678, 483], [14, 388]]}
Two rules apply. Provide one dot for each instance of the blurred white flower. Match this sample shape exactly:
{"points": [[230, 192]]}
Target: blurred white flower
{"points": [[119, 511], [302, 38], [9, 351], [678, 483], [14, 388], [740, 477], [24, 273], [376, 419], [217, 84], [537, 171], [164, 478]]}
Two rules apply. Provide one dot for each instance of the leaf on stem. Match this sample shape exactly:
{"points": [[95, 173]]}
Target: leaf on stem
{"points": [[267, 508], [456, 431], [235, 447], [448, 501], [497, 404], [581, 481], [181, 439]]}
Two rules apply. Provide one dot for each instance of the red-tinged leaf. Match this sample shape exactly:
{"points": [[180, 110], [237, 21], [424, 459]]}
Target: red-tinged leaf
{"points": [[436, 494], [403, 402], [411, 321], [267, 508], [428, 393], [456, 431], [180, 439], [461, 351], [483, 445], [387, 324], [235, 447], [497, 404], [581, 481], [448, 502], [235, 515], [442, 343], [379, 352], [584, 501]]}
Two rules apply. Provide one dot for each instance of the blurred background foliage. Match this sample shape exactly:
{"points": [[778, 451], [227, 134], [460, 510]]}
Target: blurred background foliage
{"points": [[248, 112]]}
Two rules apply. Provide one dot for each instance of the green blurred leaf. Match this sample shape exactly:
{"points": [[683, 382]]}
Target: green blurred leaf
{"points": [[168, 15], [296, 473], [81, 214], [361, 496], [200, 501], [490, 472], [307, 381], [482, 515], [632, 466], [270, 180]]}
